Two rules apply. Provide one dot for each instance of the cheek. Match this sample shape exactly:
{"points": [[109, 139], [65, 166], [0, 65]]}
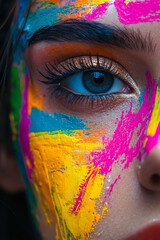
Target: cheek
{"points": [[68, 184], [153, 130], [68, 161]]}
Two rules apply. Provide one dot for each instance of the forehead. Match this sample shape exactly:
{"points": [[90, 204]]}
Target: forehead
{"points": [[47, 13]]}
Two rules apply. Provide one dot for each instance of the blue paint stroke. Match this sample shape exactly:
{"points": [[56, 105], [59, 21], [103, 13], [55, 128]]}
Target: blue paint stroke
{"points": [[47, 16], [141, 97], [46, 122]]}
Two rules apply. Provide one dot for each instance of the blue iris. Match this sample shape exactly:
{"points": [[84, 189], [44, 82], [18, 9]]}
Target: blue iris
{"points": [[97, 81]]}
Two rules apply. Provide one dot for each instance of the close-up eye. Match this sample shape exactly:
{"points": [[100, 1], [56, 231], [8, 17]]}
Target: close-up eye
{"points": [[88, 80], [80, 122], [95, 83]]}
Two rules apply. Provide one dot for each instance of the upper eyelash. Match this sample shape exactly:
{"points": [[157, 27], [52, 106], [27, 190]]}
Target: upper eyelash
{"points": [[55, 75]]}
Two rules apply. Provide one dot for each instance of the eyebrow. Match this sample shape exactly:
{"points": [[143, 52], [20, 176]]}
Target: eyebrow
{"points": [[75, 30]]}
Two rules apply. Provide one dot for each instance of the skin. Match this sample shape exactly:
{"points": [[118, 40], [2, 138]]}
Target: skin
{"points": [[70, 174]]}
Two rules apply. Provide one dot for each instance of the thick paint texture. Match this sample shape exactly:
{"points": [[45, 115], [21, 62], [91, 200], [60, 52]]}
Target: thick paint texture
{"points": [[49, 123], [68, 167], [55, 151], [68, 186], [66, 161], [46, 13], [154, 127]]}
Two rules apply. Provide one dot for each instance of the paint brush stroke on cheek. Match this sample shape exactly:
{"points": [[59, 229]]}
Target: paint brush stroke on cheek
{"points": [[49, 123], [81, 170], [119, 150], [154, 127], [138, 11], [61, 168]]}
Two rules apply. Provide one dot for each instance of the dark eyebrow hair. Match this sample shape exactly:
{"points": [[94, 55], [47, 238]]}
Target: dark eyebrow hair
{"points": [[75, 30]]}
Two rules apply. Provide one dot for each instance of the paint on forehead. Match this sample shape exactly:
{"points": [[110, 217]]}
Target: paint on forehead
{"points": [[49, 13], [46, 13], [138, 11]]}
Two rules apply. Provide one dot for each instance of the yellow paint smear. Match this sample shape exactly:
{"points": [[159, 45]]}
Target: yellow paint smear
{"points": [[62, 167], [155, 115]]}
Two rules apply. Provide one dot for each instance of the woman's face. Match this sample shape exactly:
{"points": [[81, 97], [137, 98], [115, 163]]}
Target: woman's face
{"points": [[85, 116]]}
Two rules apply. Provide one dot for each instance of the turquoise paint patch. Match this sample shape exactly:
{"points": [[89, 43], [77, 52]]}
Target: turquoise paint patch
{"points": [[46, 16], [46, 122], [141, 97]]}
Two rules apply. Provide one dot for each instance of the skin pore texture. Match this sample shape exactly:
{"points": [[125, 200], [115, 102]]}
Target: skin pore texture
{"points": [[82, 154]]}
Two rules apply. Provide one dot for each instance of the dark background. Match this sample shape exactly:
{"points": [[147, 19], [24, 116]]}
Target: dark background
{"points": [[15, 218]]}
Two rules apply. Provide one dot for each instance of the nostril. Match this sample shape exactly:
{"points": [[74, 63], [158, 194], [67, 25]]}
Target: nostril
{"points": [[155, 179]]}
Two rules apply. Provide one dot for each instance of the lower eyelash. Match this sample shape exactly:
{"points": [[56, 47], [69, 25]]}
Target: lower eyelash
{"points": [[71, 98]]}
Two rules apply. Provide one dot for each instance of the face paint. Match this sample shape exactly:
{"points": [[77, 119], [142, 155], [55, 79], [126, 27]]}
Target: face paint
{"points": [[68, 164], [56, 160], [154, 126], [133, 12], [46, 13], [69, 159]]}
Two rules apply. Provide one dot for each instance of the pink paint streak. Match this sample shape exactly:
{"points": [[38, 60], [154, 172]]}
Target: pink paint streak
{"points": [[139, 11], [119, 146], [82, 190], [24, 129], [97, 12]]}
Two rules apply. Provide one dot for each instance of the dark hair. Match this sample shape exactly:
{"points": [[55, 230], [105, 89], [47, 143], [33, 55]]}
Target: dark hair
{"points": [[7, 16], [7, 8]]}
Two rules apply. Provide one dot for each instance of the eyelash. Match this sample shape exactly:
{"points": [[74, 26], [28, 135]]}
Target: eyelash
{"points": [[86, 63], [59, 71]]}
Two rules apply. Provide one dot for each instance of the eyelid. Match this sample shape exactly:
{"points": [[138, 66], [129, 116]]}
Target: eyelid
{"points": [[110, 66], [58, 70]]}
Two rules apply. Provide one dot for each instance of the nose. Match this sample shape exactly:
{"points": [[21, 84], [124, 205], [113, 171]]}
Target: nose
{"points": [[149, 170]]}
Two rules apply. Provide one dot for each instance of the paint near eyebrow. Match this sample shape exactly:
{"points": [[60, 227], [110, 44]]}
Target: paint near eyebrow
{"points": [[138, 11], [98, 11], [49, 12]]}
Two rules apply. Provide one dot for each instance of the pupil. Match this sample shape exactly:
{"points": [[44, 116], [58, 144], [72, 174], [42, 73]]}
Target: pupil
{"points": [[97, 82], [98, 78]]}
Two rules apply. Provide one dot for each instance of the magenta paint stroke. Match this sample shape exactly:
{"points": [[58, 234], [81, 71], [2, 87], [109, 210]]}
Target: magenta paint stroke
{"points": [[24, 130], [82, 189], [138, 11], [119, 147], [97, 12]]}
